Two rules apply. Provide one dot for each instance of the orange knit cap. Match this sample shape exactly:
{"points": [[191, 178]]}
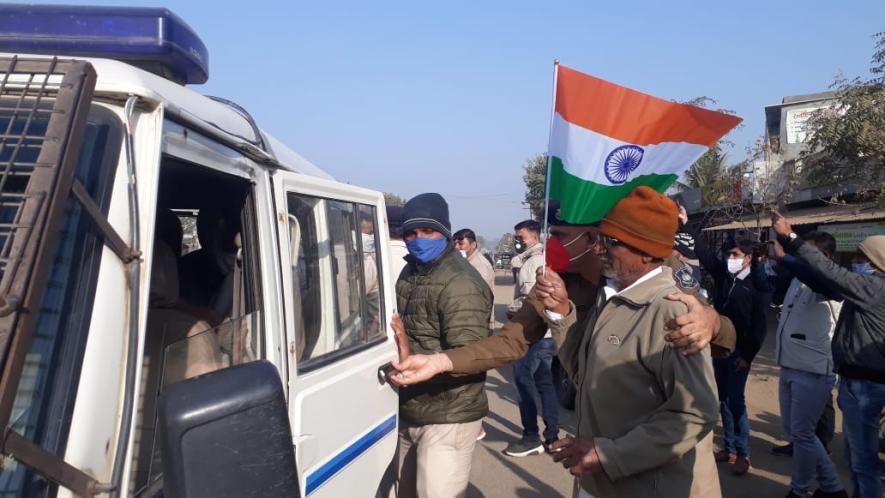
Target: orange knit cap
{"points": [[644, 220]]}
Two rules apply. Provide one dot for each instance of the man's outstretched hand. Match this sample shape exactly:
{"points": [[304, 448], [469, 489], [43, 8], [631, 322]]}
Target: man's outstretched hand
{"points": [[418, 368], [694, 329]]}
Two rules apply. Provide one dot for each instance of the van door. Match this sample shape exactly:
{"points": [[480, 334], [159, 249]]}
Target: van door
{"points": [[339, 300]]}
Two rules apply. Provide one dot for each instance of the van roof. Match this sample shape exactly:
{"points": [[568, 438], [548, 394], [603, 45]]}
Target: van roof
{"points": [[119, 78]]}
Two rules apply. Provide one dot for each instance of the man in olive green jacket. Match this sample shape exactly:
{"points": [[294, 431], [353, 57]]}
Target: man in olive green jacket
{"points": [[443, 304], [645, 412]]}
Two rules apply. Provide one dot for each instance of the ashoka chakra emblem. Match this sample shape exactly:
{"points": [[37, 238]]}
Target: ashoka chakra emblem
{"points": [[621, 162]]}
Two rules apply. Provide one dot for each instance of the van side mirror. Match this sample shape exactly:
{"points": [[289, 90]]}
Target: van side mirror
{"points": [[226, 434]]}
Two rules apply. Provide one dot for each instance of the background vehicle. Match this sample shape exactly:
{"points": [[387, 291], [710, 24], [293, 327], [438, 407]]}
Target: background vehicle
{"points": [[131, 368]]}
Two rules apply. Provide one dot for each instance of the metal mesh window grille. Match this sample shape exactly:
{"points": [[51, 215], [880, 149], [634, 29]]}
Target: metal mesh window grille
{"points": [[27, 102]]}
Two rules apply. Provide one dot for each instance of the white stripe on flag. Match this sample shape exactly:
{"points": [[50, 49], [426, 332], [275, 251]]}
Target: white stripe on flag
{"points": [[583, 153]]}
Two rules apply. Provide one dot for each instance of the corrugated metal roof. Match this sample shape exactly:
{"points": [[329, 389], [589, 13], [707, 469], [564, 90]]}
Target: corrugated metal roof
{"points": [[811, 216]]}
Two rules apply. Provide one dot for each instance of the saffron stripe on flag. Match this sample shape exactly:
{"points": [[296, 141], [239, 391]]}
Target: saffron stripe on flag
{"points": [[634, 117], [584, 202]]}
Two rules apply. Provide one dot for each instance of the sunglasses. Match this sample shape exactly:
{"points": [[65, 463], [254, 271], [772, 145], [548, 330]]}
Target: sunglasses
{"points": [[610, 242]]}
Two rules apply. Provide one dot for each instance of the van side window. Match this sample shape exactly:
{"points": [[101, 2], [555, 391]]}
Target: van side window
{"points": [[338, 300], [346, 267], [371, 272]]}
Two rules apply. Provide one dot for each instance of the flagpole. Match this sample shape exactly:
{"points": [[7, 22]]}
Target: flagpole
{"points": [[549, 163]]}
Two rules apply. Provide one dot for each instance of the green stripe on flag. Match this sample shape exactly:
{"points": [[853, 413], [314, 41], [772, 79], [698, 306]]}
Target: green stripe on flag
{"points": [[584, 202]]}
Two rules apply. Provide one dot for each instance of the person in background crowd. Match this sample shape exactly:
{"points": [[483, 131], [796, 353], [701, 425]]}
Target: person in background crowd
{"points": [[398, 251], [737, 297], [532, 258], [465, 242], [516, 259], [683, 250], [531, 373], [802, 350], [858, 348], [786, 270], [443, 304]]}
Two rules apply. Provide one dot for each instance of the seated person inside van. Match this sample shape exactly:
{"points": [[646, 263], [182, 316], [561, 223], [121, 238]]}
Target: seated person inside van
{"points": [[207, 274], [172, 319]]}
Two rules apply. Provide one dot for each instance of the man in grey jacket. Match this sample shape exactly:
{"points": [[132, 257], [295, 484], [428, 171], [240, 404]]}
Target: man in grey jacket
{"points": [[804, 332], [858, 349]]}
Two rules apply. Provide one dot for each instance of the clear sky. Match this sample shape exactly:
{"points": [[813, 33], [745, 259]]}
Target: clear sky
{"points": [[453, 96]]}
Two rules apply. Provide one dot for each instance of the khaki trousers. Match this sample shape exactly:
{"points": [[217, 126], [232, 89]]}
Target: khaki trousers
{"points": [[434, 460]]}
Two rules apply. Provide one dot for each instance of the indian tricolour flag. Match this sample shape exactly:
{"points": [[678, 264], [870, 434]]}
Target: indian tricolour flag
{"points": [[606, 140]]}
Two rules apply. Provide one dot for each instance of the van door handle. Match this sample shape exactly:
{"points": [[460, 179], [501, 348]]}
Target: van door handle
{"points": [[384, 371]]}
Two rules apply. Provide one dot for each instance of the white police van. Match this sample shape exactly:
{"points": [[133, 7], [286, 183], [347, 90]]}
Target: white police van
{"points": [[135, 363]]}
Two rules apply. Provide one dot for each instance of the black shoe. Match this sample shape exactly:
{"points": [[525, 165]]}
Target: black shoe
{"points": [[794, 495], [783, 450], [832, 494], [547, 443], [524, 447]]}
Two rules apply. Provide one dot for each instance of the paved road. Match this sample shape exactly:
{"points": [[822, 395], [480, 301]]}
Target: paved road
{"points": [[495, 475]]}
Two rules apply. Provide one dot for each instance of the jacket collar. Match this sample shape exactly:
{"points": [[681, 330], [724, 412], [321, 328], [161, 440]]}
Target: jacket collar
{"points": [[645, 292]]}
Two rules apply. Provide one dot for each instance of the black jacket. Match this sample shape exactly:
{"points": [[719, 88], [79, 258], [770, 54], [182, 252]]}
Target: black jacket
{"points": [[859, 340], [741, 300]]}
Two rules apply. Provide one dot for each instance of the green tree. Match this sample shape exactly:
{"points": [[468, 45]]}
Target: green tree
{"points": [[847, 142], [506, 243], [393, 199], [535, 179]]}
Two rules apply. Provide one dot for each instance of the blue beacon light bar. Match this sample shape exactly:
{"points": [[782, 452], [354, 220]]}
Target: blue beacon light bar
{"points": [[153, 39]]}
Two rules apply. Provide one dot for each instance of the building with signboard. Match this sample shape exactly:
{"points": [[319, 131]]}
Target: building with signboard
{"points": [[786, 124], [769, 182]]}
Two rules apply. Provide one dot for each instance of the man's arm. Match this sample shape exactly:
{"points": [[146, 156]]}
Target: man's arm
{"points": [[528, 327], [799, 269], [725, 342], [509, 345], [708, 259], [852, 286], [688, 414]]}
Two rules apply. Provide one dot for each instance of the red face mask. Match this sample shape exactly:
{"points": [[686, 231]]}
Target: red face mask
{"points": [[557, 256]]}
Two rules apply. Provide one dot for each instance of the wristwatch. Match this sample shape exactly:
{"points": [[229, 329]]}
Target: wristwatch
{"points": [[553, 316], [792, 236]]}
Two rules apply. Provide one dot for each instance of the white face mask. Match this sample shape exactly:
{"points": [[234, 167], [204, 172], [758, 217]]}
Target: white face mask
{"points": [[463, 252], [735, 265], [368, 242]]}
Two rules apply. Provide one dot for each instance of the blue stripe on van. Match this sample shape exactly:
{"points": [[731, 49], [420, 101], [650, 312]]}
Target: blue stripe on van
{"points": [[349, 454]]}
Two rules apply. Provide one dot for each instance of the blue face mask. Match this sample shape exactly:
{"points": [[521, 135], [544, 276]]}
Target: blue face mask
{"points": [[426, 250], [862, 268]]}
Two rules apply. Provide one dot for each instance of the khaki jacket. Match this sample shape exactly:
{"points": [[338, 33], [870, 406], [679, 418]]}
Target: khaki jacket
{"points": [[649, 409], [482, 265]]}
